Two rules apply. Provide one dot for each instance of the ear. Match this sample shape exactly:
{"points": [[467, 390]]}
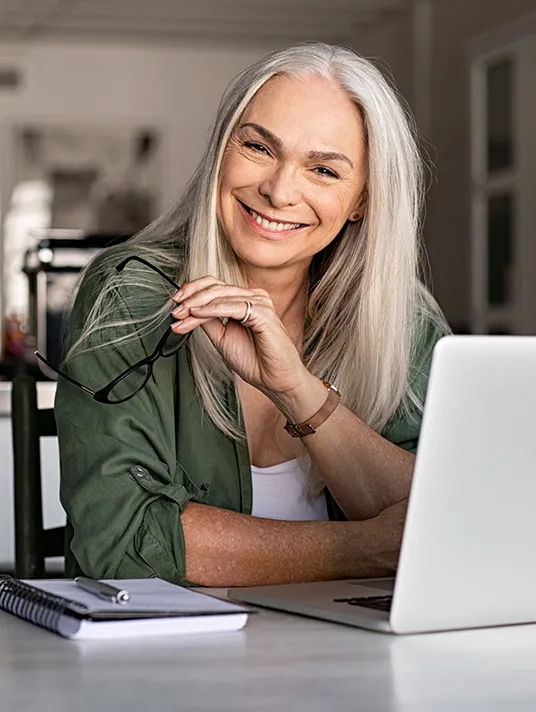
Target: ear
{"points": [[359, 211]]}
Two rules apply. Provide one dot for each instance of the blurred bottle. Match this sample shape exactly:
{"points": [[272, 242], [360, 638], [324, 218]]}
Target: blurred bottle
{"points": [[15, 337]]}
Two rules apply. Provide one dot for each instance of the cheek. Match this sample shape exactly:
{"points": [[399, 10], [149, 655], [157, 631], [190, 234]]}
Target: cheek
{"points": [[334, 208], [225, 188], [236, 172], [224, 179]]}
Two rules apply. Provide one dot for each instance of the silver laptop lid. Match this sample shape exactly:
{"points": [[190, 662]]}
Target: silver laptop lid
{"points": [[467, 557]]}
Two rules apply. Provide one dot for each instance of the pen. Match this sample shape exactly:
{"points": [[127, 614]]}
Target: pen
{"points": [[102, 590]]}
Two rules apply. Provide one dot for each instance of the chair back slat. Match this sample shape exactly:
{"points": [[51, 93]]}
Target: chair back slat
{"points": [[54, 540], [32, 542], [46, 423]]}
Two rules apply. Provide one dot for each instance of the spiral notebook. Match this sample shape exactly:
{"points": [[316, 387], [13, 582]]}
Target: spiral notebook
{"points": [[155, 607]]}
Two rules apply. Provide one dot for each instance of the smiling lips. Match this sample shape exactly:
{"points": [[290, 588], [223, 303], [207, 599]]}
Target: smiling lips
{"points": [[271, 225]]}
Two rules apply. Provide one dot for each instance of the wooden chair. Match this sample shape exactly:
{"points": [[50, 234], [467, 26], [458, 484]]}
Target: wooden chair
{"points": [[33, 543]]}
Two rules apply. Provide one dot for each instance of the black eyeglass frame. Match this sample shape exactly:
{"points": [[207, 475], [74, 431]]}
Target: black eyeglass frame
{"points": [[102, 395]]}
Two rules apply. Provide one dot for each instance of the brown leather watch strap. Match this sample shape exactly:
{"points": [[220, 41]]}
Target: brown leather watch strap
{"points": [[309, 426]]}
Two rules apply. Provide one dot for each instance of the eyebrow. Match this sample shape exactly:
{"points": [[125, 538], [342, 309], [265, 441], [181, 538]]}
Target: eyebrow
{"points": [[312, 155]]}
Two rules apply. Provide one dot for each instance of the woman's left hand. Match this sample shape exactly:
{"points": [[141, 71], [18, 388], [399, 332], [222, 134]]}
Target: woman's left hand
{"points": [[261, 352]]}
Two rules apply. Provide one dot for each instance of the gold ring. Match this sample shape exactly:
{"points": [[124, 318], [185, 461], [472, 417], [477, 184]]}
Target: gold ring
{"points": [[248, 312]]}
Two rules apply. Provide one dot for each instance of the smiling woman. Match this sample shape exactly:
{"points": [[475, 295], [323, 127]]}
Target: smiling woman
{"points": [[278, 444]]}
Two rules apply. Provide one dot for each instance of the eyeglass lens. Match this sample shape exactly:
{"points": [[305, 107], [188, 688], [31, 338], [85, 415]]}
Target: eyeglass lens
{"points": [[133, 381]]}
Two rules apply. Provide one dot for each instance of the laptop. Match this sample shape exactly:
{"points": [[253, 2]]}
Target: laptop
{"points": [[468, 549]]}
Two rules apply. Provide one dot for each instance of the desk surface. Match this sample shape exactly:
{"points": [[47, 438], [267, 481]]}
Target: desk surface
{"points": [[278, 662]]}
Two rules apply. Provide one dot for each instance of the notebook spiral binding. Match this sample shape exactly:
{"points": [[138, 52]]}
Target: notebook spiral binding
{"points": [[35, 606]]}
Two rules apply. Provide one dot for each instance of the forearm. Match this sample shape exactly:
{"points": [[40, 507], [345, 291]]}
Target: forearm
{"points": [[226, 548], [364, 472]]}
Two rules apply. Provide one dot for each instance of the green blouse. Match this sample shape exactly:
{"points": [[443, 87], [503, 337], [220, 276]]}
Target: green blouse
{"points": [[129, 470]]}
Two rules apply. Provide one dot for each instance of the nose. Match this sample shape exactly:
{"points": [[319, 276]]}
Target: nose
{"points": [[281, 188]]}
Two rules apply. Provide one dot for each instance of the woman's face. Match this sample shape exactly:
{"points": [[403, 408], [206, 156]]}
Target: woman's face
{"points": [[293, 173]]}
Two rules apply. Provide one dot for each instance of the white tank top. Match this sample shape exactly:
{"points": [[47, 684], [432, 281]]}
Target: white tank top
{"points": [[279, 493]]}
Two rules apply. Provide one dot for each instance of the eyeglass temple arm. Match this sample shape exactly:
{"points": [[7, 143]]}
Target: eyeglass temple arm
{"points": [[63, 374], [121, 266]]}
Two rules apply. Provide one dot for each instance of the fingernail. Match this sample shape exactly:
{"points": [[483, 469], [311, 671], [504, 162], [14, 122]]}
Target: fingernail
{"points": [[177, 310], [177, 296]]}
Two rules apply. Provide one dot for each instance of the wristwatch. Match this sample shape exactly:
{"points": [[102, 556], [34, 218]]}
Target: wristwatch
{"points": [[309, 426]]}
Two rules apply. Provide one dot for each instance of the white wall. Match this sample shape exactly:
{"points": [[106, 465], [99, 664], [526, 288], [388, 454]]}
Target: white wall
{"points": [[176, 88], [456, 24]]}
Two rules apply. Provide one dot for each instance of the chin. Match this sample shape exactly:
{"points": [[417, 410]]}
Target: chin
{"points": [[261, 258]]}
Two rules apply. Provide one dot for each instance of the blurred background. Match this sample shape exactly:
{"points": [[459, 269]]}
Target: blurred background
{"points": [[105, 107]]}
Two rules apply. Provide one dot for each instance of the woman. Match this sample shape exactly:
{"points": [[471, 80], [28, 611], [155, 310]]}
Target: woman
{"points": [[296, 245]]}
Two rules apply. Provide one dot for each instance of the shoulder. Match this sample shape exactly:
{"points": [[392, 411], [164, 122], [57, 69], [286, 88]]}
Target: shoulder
{"points": [[118, 270], [430, 326], [117, 288]]}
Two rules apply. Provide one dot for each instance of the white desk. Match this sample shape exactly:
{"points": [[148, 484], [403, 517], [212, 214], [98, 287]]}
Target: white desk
{"points": [[278, 662]]}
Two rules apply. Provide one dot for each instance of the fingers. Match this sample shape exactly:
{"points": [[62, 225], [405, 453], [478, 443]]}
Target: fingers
{"points": [[224, 308], [196, 285], [206, 299], [183, 326], [215, 292]]}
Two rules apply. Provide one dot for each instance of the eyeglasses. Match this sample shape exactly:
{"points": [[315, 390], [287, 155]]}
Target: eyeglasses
{"points": [[131, 381]]}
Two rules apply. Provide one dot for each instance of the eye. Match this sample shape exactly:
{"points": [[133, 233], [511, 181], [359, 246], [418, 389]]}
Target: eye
{"points": [[326, 172], [258, 147]]}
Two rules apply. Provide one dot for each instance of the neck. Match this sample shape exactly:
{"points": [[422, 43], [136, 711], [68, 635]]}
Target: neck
{"points": [[287, 288]]}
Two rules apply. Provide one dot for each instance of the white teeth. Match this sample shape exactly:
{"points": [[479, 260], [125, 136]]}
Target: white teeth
{"points": [[271, 225]]}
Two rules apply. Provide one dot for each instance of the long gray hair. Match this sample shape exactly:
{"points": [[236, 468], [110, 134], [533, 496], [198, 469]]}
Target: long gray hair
{"points": [[366, 301]]}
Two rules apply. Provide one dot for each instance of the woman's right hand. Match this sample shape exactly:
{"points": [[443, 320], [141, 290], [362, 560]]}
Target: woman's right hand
{"points": [[261, 352]]}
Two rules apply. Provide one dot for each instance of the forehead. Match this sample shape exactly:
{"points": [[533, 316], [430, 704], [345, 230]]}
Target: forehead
{"points": [[314, 113]]}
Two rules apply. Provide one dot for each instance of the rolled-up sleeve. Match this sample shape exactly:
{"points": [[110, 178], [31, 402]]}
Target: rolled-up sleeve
{"points": [[122, 501]]}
